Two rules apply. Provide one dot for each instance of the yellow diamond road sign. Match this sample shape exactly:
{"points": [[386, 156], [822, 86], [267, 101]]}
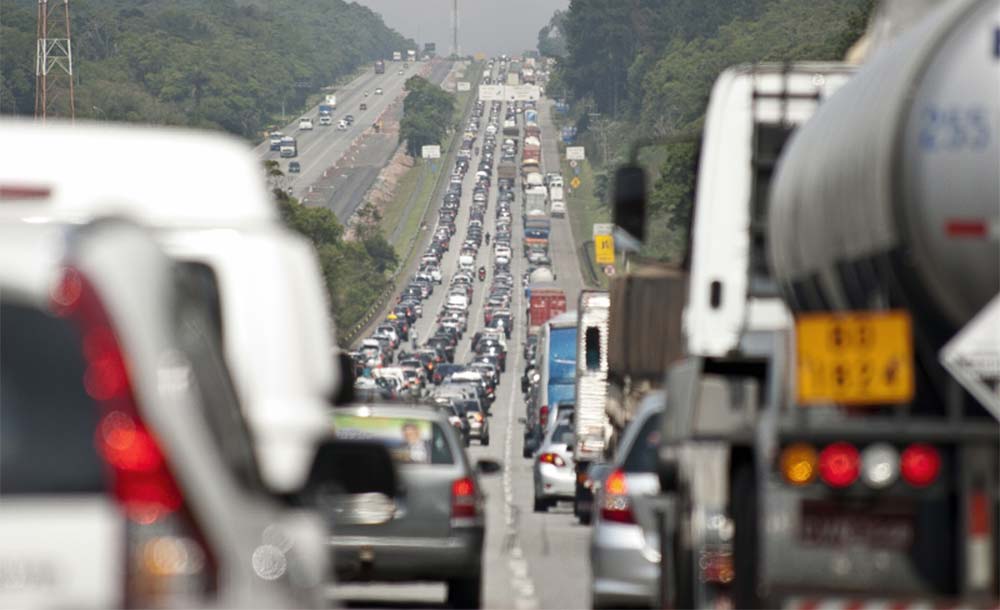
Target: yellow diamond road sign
{"points": [[604, 249], [575, 182]]}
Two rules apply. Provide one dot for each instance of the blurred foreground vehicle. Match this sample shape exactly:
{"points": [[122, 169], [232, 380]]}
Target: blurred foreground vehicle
{"points": [[127, 474], [433, 531], [261, 281]]}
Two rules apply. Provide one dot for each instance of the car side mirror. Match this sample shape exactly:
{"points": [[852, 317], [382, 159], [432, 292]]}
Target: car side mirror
{"points": [[487, 467], [345, 393], [629, 199]]}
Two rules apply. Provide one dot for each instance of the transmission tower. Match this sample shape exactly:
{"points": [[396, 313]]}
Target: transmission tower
{"points": [[454, 28], [54, 62]]}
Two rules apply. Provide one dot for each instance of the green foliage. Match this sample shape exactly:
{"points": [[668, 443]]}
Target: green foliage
{"points": [[551, 41], [225, 64], [652, 63], [427, 114], [355, 272]]}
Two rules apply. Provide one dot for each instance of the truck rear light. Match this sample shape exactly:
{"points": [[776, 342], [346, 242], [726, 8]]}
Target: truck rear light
{"points": [[979, 550], [615, 504], [920, 464], [167, 557], [839, 464], [798, 463], [464, 499], [543, 415], [879, 465], [552, 458]]}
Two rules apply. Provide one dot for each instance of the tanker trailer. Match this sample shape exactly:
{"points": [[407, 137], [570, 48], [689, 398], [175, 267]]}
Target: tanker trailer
{"points": [[877, 471]]}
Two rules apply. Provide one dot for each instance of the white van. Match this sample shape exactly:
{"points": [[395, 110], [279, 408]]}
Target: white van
{"points": [[305, 124]]}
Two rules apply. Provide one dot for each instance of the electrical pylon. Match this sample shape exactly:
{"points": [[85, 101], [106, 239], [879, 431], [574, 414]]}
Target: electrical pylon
{"points": [[54, 94]]}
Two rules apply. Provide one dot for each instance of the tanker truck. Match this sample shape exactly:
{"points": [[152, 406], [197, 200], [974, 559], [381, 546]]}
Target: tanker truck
{"points": [[876, 465]]}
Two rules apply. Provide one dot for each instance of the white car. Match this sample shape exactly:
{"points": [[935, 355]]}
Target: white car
{"points": [[342, 125], [325, 120], [558, 208], [305, 124], [378, 90], [186, 511]]}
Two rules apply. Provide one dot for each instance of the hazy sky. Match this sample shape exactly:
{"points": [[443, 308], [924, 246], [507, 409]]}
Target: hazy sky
{"points": [[489, 26]]}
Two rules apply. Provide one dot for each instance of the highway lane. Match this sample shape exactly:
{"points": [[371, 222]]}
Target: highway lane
{"points": [[345, 188], [321, 147], [531, 560]]}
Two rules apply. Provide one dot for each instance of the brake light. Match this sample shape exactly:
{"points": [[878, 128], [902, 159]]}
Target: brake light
{"points": [[615, 505], [839, 464], [464, 500], [920, 464], [552, 458], [166, 553], [543, 415]]}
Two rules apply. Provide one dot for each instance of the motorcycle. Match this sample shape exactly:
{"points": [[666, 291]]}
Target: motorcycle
{"points": [[482, 274]]}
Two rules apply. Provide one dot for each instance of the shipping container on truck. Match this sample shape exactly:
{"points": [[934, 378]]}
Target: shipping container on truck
{"points": [[557, 363], [545, 301], [590, 421]]}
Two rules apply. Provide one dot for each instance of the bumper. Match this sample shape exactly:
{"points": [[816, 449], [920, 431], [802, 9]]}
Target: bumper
{"points": [[624, 571], [408, 559], [555, 482]]}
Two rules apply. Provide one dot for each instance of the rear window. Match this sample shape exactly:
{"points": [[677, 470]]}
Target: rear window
{"points": [[411, 441], [48, 421], [562, 434], [642, 455]]}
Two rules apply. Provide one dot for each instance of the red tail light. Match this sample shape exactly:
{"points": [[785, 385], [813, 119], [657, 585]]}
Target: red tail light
{"points": [[166, 553], [552, 458], [464, 499], [839, 464], [615, 505], [919, 464], [543, 415]]}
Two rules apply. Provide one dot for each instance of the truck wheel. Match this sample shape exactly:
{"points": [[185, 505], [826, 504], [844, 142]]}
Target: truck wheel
{"points": [[541, 505], [525, 452], [743, 499], [485, 442], [465, 592]]}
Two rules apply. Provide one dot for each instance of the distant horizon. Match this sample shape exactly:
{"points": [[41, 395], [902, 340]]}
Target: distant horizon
{"points": [[486, 26]]}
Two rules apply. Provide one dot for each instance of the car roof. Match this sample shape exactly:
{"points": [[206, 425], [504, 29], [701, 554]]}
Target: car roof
{"points": [[141, 156]]}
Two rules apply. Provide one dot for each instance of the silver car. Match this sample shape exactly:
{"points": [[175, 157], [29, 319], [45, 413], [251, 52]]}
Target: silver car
{"points": [[433, 530], [554, 469], [624, 545]]}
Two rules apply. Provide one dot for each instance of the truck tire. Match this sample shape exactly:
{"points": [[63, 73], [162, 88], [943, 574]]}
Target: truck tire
{"points": [[541, 505], [745, 538], [465, 592], [485, 442]]}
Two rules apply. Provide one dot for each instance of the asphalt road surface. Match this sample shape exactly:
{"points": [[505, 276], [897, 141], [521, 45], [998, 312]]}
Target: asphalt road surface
{"points": [[343, 189], [531, 560]]}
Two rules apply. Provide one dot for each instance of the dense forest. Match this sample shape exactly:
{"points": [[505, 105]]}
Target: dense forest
{"points": [[647, 67], [220, 64]]}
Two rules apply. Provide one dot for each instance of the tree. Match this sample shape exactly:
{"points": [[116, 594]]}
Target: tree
{"points": [[427, 113]]}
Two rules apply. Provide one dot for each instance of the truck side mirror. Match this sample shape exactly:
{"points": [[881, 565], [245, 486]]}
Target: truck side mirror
{"points": [[629, 211]]}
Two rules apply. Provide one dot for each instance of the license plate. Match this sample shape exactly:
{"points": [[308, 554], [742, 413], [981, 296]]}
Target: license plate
{"points": [[858, 358], [833, 525]]}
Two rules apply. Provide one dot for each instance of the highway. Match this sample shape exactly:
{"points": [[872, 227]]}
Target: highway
{"points": [[531, 560], [358, 153]]}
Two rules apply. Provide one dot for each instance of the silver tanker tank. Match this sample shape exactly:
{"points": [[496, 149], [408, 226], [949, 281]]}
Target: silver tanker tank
{"points": [[890, 195]]}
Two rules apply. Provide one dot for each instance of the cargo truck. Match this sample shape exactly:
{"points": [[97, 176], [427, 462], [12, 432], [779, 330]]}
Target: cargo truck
{"points": [[379, 66], [289, 147], [397, 56], [331, 101], [411, 55], [734, 324], [590, 421]]}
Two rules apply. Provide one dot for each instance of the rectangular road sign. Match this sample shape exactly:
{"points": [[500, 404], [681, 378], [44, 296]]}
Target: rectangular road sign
{"points": [[604, 250], [521, 93], [430, 151], [857, 358], [491, 93], [575, 153], [603, 228]]}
